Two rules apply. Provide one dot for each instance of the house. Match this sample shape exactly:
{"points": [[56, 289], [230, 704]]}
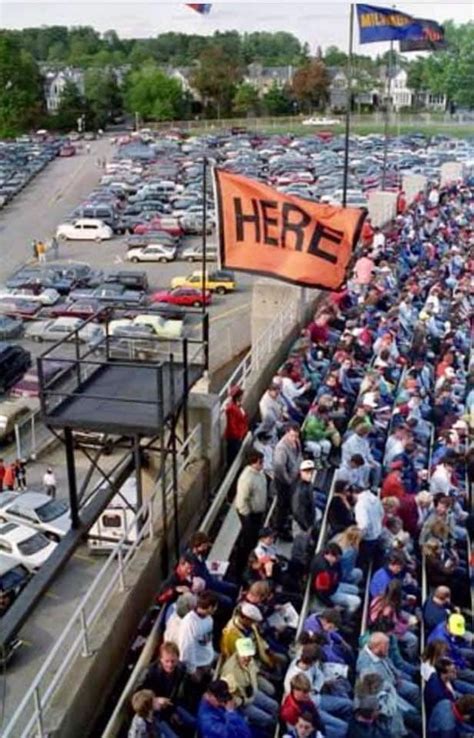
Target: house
{"points": [[395, 85], [430, 101], [367, 94], [55, 82], [263, 78]]}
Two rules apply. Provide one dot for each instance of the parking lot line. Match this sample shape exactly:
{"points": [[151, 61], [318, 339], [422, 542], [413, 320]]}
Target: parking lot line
{"points": [[81, 557], [52, 596], [226, 314]]}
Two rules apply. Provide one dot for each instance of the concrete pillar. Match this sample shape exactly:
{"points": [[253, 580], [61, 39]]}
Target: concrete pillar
{"points": [[451, 171], [269, 296], [412, 184], [205, 409], [382, 207]]}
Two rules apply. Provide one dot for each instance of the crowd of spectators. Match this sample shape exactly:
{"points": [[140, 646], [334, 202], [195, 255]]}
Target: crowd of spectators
{"points": [[363, 449]]}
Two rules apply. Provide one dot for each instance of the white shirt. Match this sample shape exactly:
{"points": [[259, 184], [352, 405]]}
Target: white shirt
{"points": [[195, 641], [379, 240], [49, 480], [369, 514]]}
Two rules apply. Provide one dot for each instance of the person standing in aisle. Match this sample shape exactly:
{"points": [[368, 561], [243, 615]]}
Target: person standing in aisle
{"points": [[237, 424], [286, 467], [49, 482]]}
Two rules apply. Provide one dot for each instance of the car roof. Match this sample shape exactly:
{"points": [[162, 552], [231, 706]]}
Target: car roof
{"points": [[67, 320], [32, 499], [7, 563], [16, 533]]}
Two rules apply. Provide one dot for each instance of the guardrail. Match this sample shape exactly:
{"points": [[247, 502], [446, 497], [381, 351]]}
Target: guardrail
{"points": [[257, 356], [76, 638], [31, 436]]}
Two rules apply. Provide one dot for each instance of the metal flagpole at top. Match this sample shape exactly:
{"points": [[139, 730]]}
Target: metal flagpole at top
{"points": [[388, 110], [204, 232], [348, 106]]}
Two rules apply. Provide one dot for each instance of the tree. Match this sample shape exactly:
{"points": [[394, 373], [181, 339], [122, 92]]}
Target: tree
{"points": [[103, 96], [21, 91], [334, 57], [215, 79], [311, 85], [277, 101], [72, 106], [246, 100], [153, 95]]}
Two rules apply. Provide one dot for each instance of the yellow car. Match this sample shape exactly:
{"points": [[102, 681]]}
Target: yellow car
{"points": [[219, 281]]}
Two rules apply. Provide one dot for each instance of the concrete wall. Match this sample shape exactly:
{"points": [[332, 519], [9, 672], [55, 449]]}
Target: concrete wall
{"points": [[230, 335], [82, 697], [382, 207], [413, 184], [451, 171]]}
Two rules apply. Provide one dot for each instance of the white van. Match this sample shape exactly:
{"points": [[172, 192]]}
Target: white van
{"points": [[84, 229], [115, 520]]}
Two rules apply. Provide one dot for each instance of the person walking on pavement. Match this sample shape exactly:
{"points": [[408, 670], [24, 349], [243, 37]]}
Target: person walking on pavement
{"points": [[20, 473], [49, 482], [286, 468], [41, 249], [55, 247], [2, 474], [34, 246], [9, 477]]}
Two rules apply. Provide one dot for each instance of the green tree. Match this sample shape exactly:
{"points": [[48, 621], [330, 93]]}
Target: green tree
{"points": [[334, 57], [246, 100], [72, 106], [215, 80], [311, 85], [277, 101], [103, 96], [153, 95], [21, 90]]}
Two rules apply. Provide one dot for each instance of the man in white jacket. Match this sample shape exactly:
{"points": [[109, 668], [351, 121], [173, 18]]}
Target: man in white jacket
{"points": [[369, 515], [195, 637]]}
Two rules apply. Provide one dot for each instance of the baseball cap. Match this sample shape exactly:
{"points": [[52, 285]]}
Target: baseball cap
{"points": [[220, 690], [245, 647], [456, 624], [251, 611], [307, 465]]}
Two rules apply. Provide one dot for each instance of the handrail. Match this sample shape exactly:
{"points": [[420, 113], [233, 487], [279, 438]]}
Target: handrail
{"points": [[81, 622]]}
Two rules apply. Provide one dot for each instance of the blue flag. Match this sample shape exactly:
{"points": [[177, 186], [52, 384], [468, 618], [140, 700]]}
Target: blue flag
{"points": [[432, 39], [386, 24], [202, 8]]}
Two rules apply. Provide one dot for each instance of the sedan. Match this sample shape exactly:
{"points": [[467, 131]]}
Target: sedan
{"points": [[26, 545], [10, 327], [146, 326], [153, 252], [182, 296], [83, 309], [45, 297], [15, 307], [64, 328], [39, 511], [113, 294]]}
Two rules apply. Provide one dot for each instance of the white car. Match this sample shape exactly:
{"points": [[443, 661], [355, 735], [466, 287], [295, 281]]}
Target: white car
{"points": [[38, 511], [25, 544], [194, 253], [354, 199], [153, 252], [84, 229], [320, 122], [59, 328], [46, 297], [143, 326]]}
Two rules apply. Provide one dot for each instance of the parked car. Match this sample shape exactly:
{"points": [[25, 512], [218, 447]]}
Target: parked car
{"points": [[67, 150], [84, 229], [194, 224], [146, 326], [219, 281], [194, 253], [170, 225], [138, 241], [38, 511], [38, 279], [81, 309], [13, 577], [132, 280], [62, 328], [46, 297], [10, 328], [21, 543], [28, 386], [112, 294], [11, 412], [15, 307], [153, 252], [14, 361], [186, 296]]}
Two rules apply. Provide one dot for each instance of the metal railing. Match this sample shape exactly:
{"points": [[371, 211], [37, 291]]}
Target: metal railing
{"points": [[32, 437], [78, 636], [258, 355]]}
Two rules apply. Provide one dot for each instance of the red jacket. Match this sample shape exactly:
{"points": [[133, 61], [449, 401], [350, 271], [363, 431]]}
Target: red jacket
{"points": [[237, 422], [408, 513], [291, 710], [367, 233], [393, 486]]}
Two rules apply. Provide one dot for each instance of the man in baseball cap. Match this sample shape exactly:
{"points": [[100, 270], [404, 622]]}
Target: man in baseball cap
{"points": [[302, 501]]}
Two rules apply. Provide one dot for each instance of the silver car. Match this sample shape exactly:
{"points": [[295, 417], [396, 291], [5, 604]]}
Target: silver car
{"points": [[62, 328]]}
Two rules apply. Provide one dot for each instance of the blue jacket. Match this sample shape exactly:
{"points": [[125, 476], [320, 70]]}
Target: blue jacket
{"points": [[444, 724], [217, 722], [434, 692], [434, 614], [380, 581], [335, 651], [440, 633]]}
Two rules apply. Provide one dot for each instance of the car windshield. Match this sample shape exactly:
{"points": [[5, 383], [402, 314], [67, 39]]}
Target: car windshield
{"points": [[13, 578], [51, 510], [34, 544]]}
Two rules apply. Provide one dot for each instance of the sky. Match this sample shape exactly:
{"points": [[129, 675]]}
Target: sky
{"points": [[318, 23]]}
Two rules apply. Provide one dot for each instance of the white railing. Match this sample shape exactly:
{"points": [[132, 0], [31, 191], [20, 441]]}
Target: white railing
{"points": [[77, 637], [258, 355]]}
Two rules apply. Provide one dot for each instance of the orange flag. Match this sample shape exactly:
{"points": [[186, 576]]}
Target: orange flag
{"points": [[267, 232]]}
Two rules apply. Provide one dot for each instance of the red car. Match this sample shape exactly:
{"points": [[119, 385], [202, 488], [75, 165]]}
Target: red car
{"points": [[81, 309], [182, 296], [18, 307], [67, 150], [155, 224]]}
